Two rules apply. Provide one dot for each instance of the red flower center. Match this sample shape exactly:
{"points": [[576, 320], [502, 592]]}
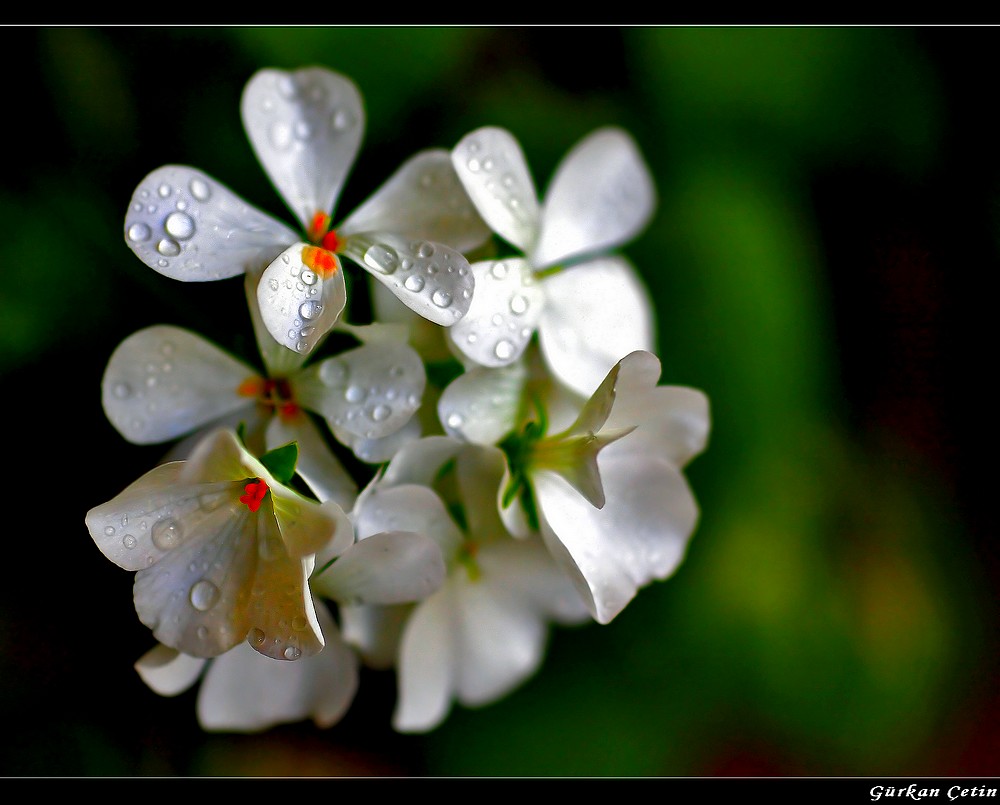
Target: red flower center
{"points": [[253, 494]]}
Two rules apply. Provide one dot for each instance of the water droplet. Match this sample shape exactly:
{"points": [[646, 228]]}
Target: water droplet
{"points": [[281, 136], [310, 309], [497, 320], [380, 412], [303, 131], [518, 304], [488, 164], [273, 284], [508, 180], [472, 338], [441, 298], [381, 259], [499, 270], [256, 636], [504, 350], [139, 232], [355, 394], [473, 164], [414, 283], [179, 225], [292, 653], [308, 277], [455, 420], [163, 190], [168, 247], [122, 391], [110, 530], [203, 595], [341, 120], [200, 189], [124, 519], [302, 346], [129, 541], [167, 534], [396, 371], [425, 250], [333, 373], [202, 632]]}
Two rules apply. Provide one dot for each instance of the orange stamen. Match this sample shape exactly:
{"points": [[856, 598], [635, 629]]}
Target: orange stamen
{"points": [[317, 229], [319, 260], [330, 241], [288, 411], [254, 494], [251, 387]]}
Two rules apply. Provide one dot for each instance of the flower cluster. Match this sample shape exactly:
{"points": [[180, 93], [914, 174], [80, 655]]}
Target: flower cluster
{"points": [[524, 467]]}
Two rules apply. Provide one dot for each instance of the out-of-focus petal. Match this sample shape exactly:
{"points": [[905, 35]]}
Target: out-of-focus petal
{"points": [[375, 631], [189, 227], [431, 279], [482, 405], [317, 464], [381, 449], [595, 313], [370, 391], [244, 691], [386, 568], [505, 309], [168, 671], [491, 165], [162, 382], [422, 200], [419, 462], [639, 535], [305, 127], [426, 664], [408, 508], [479, 470], [299, 306], [602, 195]]}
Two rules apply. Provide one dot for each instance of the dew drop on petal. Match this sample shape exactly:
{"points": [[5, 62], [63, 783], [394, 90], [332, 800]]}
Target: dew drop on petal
{"points": [[110, 530], [381, 259], [455, 420], [292, 653], [504, 350], [341, 120], [425, 250], [441, 298], [310, 309], [414, 283], [128, 541], [257, 637], [122, 391], [308, 277], [499, 270], [518, 304], [200, 189], [380, 412], [473, 164], [167, 534], [168, 247], [139, 232], [202, 632], [163, 190], [179, 225], [333, 373], [354, 394], [203, 595]]}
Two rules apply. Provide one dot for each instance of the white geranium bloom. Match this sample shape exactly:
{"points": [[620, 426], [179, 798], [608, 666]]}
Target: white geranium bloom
{"points": [[164, 382], [306, 128], [608, 494], [484, 631], [222, 552], [244, 691], [588, 306]]}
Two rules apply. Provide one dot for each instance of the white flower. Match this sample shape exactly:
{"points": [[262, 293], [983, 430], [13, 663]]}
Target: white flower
{"points": [[163, 382], [222, 552], [245, 691], [306, 128], [588, 306], [484, 631], [608, 494]]}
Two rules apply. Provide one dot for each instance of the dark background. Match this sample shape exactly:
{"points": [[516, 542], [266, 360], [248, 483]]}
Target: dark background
{"points": [[820, 261]]}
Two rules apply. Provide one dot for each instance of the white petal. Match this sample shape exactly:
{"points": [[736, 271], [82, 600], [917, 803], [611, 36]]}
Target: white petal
{"points": [[419, 462], [480, 471], [595, 314], [423, 199], [163, 382], [279, 361], [190, 227], [431, 279], [671, 421], [601, 196], [426, 664], [408, 508], [168, 671], [317, 464], [483, 405], [386, 568], [640, 534], [305, 127], [381, 449], [308, 527], [246, 692], [491, 165], [505, 310], [370, 391], [375, 631], [299, 306]]}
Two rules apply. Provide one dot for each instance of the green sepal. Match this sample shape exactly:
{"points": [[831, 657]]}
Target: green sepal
{"points": [[280, 462]]}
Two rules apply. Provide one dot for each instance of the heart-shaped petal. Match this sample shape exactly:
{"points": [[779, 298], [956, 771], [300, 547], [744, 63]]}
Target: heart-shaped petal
{"points": [[301, 295], [505, 309], [429, 278], [423, 199], [491, 165], [305, 127], [190, 227]]}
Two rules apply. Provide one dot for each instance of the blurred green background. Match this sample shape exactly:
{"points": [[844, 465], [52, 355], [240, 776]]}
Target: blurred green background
{"points": [[828, 216]]}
